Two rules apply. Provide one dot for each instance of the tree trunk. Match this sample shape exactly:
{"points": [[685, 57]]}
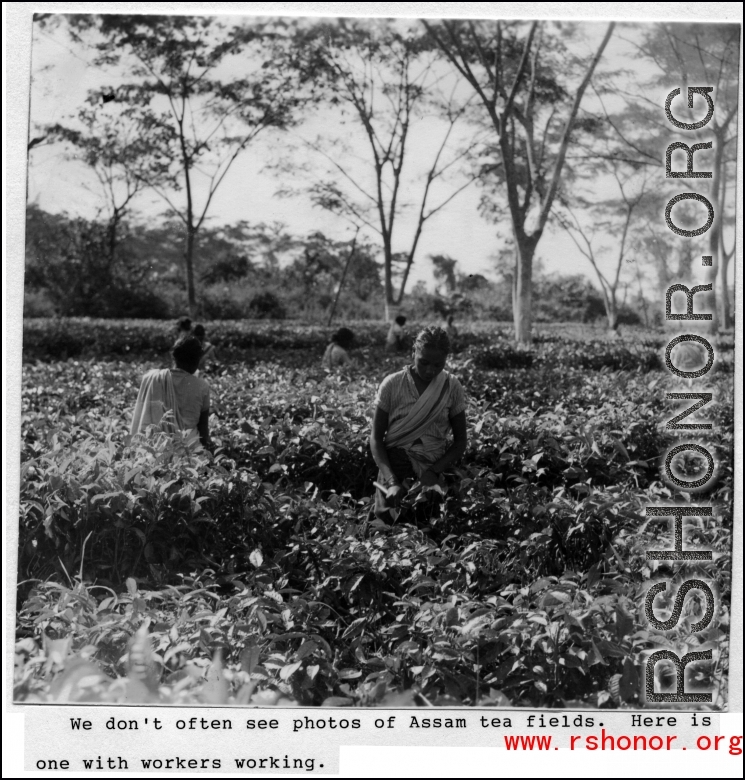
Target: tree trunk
{"points": [[724, 291], [392, 310], [646, 312], [709, 302], [189, 260], [611, 310], [685, 266], [710, 272], [644, 307], [405, 279], [724, 258], [523, 291], [112, 230], [342, 280], [390, 301], [610, 303]]}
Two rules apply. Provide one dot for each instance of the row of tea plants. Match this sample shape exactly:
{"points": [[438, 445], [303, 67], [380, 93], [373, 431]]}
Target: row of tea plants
{"points": [[258, 576]]}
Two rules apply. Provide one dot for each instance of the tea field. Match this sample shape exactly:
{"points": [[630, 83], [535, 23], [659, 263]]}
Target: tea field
{"points": [[148, 573]]}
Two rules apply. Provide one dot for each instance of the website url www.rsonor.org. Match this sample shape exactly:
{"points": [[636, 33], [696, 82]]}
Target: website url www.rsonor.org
{"points": [[605, 741]]}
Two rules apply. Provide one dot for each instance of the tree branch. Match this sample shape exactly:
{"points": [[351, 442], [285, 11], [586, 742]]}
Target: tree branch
{"points": [[559, 163]]}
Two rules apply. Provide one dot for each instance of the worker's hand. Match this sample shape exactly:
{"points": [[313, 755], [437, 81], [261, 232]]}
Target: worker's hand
{"points": [[395, 494]]}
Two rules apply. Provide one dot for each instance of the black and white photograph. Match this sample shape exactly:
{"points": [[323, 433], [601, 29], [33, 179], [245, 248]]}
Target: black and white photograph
{"points": [[375, 363]]}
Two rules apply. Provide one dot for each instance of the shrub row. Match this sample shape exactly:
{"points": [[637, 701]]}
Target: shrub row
{"points": [[60, 339], [524, 590], [490, 346]]}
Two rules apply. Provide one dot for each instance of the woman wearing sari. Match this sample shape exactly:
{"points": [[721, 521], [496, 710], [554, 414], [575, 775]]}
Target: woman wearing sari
{"points": [[174, 398], [337, 352], [415, 411]]}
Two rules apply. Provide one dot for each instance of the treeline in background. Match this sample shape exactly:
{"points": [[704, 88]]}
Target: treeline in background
{"points": [[380, 125], [71, 273]]}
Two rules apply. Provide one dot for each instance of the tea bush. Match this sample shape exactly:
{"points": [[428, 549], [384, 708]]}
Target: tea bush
{"points": [[55, 338], [61, 339], [259, 576]]}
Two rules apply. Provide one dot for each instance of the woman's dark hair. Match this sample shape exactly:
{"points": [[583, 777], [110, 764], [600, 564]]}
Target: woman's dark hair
{"points": [[343, 337], [199, 332], [401, 320], [435, 337], [187, 351], [184, 323]]}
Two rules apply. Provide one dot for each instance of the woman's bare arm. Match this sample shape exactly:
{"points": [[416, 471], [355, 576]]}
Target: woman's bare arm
{"points": [[203, 427], [377, 446], [377, 443]]}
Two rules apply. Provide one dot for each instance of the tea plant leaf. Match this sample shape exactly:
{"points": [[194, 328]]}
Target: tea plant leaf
{"points": [[249, 658], [141, 664], [337, 701], [215, 689], [287, 671], [256, 558]]}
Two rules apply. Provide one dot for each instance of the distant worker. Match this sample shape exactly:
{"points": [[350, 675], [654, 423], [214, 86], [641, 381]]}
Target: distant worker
{"points": [[209, 355], [337, 352], [174, 398], [450, 328], [396, 339], [183, 327]]}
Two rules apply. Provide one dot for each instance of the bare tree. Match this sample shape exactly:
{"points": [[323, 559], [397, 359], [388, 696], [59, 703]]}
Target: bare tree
{"points": [[386, 77], [612, 218], [726, 255], [116, 152], [347, 262], [514, 72], [690, 55], [196, 121]]}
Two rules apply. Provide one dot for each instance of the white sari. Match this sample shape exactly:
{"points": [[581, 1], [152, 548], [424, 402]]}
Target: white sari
{"points": [[404, 432], [157, 405]]}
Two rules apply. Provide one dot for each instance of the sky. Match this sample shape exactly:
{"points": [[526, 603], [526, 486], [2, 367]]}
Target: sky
{"points": [[63, 75]]}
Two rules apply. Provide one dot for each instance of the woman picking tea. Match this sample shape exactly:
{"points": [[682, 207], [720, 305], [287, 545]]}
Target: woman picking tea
{"points": [[415, 412]]}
